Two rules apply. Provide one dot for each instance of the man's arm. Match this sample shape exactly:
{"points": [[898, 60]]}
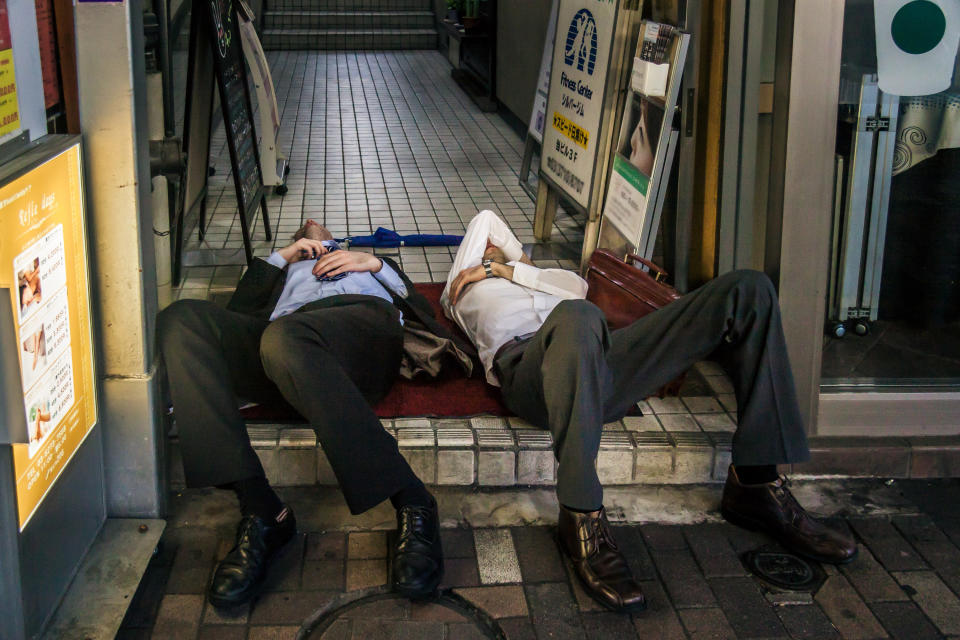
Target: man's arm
{"points": [[256, 287], [486, 227], [559, 282], [260, 282]]}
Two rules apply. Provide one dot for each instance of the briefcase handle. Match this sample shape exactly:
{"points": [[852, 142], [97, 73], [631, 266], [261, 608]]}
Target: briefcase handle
{"points": [[657, 272]]}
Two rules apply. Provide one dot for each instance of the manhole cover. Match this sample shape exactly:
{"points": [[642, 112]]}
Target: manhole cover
{"points": [[784, 570], [381, 612]]}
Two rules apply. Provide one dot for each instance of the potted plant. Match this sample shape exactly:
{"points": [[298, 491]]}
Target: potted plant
{"points": [[453, 11], [471, 14]]}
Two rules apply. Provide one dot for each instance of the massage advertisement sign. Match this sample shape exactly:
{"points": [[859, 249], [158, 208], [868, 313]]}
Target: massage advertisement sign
{"points": [[43, 267], [584, 35]]}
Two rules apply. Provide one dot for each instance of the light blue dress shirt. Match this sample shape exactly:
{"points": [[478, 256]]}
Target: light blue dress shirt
{"points": [[302, 287]]}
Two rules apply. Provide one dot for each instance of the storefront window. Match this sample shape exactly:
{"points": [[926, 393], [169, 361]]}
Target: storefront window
{"points": [[894, 290]]}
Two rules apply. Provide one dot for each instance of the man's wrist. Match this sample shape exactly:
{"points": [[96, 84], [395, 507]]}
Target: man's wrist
{"points": [[501, 270]]}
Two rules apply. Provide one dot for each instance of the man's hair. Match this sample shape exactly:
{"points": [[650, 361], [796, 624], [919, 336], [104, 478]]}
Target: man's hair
{"points": [[302, 231]]}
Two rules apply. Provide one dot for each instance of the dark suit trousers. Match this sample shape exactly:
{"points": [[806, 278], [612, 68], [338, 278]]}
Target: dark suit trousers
{"points": [[329, 360], [574, 375]]}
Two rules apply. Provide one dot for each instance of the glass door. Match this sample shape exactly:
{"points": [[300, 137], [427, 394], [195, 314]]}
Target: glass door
{"points": [[893, 295]]}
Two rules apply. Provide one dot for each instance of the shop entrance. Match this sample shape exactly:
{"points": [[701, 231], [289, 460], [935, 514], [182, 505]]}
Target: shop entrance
{"points": [[375, 137]]}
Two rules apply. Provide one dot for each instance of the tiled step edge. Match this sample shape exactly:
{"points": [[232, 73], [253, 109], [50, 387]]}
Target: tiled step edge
{"points": [[348, 20], [492, 452], [495, 452], [324, 40]]}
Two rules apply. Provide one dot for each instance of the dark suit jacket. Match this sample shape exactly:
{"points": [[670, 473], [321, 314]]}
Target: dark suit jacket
{"points": [[262, 284]]}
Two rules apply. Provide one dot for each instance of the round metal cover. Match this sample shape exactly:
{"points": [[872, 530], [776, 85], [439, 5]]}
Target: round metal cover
{"points": [[352, 613], [784, 570]]}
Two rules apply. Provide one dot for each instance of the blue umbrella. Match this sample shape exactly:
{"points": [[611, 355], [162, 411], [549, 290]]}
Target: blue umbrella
{"points": [[385, 238]]}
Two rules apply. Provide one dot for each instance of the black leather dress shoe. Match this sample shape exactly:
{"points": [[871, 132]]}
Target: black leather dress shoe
{"points": [[585, 539], [418, 556], [239, 576], [770, 507]]}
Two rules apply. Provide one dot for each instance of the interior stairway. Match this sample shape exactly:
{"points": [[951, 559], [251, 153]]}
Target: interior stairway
{"points": [[324, 25]]}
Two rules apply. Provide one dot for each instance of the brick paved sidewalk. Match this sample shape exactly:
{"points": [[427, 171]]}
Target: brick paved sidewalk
{"points": [[904, 584]]}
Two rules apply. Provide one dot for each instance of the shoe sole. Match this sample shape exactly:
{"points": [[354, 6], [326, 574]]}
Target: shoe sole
{"points": [[755, 525], [222, 603], [636, 608]]}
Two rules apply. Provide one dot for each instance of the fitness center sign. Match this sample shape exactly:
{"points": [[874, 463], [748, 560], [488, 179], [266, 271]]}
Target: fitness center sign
{"points": [[575, 103]]}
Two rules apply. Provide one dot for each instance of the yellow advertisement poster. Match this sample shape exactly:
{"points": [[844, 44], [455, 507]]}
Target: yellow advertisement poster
{"points": [[43, 265]]}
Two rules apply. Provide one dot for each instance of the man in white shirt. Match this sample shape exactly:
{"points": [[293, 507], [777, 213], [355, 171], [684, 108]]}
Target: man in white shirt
{"points": [[559, 367]]}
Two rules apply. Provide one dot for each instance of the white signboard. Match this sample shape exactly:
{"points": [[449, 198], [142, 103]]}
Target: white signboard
{"points": [[539, 115], [578, 77]]}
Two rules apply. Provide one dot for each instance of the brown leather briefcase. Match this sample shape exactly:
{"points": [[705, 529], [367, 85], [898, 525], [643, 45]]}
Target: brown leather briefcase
{"points": [[623, 291]]}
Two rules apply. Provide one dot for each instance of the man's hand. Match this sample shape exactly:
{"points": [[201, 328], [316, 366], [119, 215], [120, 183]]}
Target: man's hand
{"points": [[475, 274], [302, 249], [337, 262]]}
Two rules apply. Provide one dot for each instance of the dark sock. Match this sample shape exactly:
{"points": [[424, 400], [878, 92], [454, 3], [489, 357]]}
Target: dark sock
{"points": [[581, 510], [257, 498], [760, 474], [413, 496]]}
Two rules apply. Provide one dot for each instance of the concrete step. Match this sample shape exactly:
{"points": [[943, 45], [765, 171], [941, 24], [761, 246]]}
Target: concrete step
{"points": [[490, 451], [349, 39], [348, 20], [350, 5], [662, 447]]}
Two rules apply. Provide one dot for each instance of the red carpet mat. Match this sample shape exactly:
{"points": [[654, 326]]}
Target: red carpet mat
{"points": [[450, 395]]}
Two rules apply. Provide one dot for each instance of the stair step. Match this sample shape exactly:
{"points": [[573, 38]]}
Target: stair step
{"points": [[348, 19], [349, 39], [350, 5], [496, 452]]}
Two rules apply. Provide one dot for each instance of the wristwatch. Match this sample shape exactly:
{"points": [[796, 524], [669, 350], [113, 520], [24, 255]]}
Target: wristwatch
{"points": [[486, 267]]}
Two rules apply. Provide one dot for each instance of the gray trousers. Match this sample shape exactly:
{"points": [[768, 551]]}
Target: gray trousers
{"points": [[574, 375]]}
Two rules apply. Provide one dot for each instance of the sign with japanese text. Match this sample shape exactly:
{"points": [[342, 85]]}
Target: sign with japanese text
{"points": [[43, 263], [581, 55]]}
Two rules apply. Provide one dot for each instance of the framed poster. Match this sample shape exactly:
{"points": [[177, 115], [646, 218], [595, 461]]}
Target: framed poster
{"points": [[43, 265], [578, 77], [629, 188]]}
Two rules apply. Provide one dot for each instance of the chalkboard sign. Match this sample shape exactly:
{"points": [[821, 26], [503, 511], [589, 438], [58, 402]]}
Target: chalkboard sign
{"points": [[235, 102], [216, 51]]}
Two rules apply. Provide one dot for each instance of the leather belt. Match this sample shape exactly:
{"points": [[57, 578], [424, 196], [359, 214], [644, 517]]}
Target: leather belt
{"points": [[508, 347]]}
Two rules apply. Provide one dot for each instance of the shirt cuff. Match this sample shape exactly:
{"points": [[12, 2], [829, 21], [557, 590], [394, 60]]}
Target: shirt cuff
{"points": [[390, 279], [276, 260]]}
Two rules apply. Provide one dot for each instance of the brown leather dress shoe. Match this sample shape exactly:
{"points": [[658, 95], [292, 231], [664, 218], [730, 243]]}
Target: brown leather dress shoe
{"points": [[585, 538], [770, 507]]}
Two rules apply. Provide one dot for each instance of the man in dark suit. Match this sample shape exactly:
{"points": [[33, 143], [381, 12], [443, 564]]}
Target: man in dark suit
{"points": [[320, 328]]}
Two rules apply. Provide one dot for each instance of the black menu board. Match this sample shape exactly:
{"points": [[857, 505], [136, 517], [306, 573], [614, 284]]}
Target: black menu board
{"points": [[237, 112], [216, 52]]}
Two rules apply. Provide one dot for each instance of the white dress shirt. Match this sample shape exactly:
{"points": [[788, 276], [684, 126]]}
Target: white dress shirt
{"points": [[496, 310]]}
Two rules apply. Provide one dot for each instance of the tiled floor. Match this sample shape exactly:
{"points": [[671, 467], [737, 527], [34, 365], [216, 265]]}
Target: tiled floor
{"points": [[903, 585], [377, 139]]}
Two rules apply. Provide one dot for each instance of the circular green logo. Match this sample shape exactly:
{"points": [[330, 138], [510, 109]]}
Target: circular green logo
{"points": [[918, 26]]}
